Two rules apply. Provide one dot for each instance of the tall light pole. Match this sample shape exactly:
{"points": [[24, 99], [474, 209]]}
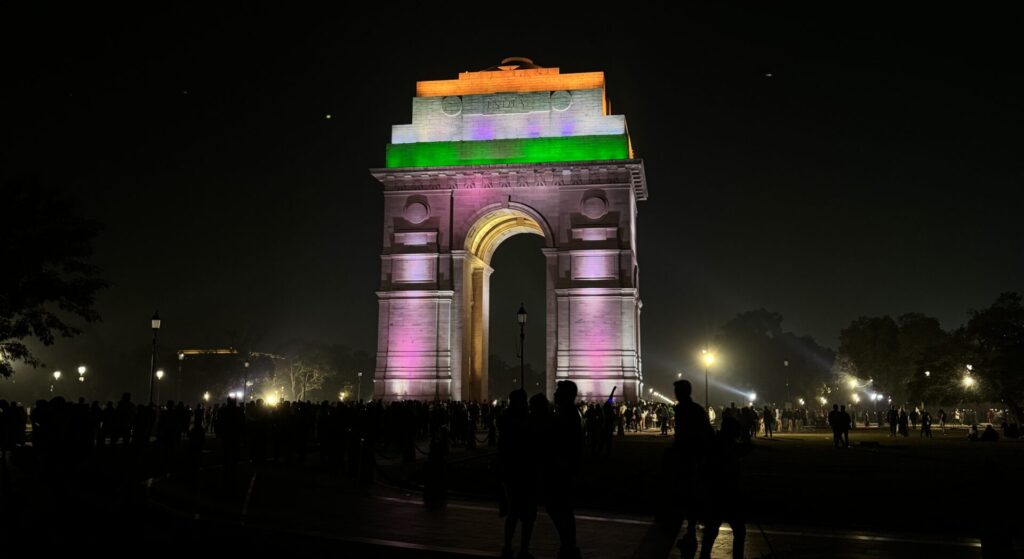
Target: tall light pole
{"points": [[245, 381], [159, 377], [359, 387], [155, 324], [786, 365], [56, 377], [181, 358], [521, 317], [709, 359]]}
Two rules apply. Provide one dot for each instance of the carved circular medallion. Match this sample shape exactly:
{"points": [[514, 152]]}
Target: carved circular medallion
{"points": [[594, 207], [561, 100], [451, 106], [416, 212]]}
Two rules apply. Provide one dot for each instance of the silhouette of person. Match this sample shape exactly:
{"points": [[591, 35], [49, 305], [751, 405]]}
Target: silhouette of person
{"points": [[844, 426], [833, 422], [893, 418], [724, 502], [693, 436], [517, 473], [769, 422], [565, 456]]}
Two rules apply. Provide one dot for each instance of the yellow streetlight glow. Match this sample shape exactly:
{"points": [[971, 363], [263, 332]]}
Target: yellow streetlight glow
{"points": [[856, 398], [968, 381], [823, 400], [853, 383], [206, 396], [709, 358], [271, 399]]}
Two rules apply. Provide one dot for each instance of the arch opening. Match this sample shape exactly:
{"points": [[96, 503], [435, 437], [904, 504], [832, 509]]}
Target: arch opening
{"points": [[484, 237]]}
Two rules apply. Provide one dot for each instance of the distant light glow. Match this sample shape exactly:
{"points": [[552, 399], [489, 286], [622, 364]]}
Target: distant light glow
{"points": [[968, 381], [709, 358], [752, 397], [206, 396]]}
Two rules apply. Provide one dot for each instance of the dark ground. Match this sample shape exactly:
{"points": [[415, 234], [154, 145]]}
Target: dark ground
{"points": [[919, 490]]}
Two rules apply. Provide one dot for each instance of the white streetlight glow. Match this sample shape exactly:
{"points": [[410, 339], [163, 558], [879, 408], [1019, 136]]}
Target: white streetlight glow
{"points": [[159, 374]]}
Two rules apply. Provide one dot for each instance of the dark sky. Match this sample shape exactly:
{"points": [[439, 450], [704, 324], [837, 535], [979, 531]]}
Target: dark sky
{"points": [[821, 165]]}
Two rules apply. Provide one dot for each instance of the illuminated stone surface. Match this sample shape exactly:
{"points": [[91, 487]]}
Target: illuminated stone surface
{"points": [[444, 217]]}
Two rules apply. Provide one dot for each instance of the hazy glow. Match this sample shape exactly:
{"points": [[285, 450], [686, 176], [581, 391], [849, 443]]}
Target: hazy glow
{"points": [[206, 396], [856, 398], [81, 369], [968, 381], [159, 374], [56, 375], [709, 358]]}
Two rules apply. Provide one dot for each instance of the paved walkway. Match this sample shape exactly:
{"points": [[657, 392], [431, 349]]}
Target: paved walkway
{"points": [[288, 502]]}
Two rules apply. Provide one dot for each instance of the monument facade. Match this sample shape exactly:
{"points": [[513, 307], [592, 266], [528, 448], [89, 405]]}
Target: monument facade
{"points": [[512, 149]]}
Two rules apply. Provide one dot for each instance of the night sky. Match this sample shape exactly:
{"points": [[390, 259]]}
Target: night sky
{"points": [[821, 165]]}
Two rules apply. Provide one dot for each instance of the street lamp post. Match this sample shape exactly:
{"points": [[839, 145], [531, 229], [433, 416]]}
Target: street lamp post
{"points": [[521, 317], [159, 377], [245, 381], [81, 373], [56, 377], [181, 359], [786, 365], [359, 387], [709, 359], [155, 324]]}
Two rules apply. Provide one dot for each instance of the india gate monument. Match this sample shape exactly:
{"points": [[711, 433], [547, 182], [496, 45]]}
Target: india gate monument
{"points": [[512, 149]]}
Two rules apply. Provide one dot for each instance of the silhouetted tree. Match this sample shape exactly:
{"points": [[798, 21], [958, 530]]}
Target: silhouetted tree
{"points": [[994, 339], [757, 347], [47, 279]]}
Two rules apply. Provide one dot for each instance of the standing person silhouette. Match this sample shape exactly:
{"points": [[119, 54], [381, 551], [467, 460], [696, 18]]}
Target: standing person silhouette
{"points": [[517, 473], [693, 437], [833, 422], [565, 456], [844, 426], [725, 502]]}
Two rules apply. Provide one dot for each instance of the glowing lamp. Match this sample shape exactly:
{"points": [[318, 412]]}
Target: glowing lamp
{"points": [[159, 374], [521, 315], [155, 321], [56, 375]]}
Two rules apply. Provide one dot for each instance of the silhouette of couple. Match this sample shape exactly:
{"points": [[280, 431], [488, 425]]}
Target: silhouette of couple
{"points": [[539, 453]]}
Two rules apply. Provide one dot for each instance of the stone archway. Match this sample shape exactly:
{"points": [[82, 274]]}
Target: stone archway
{"points": [[476, 167], [492, 226]]}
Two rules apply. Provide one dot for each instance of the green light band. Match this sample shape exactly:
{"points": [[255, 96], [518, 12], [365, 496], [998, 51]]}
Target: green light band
{"points": [[526, 150]]}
